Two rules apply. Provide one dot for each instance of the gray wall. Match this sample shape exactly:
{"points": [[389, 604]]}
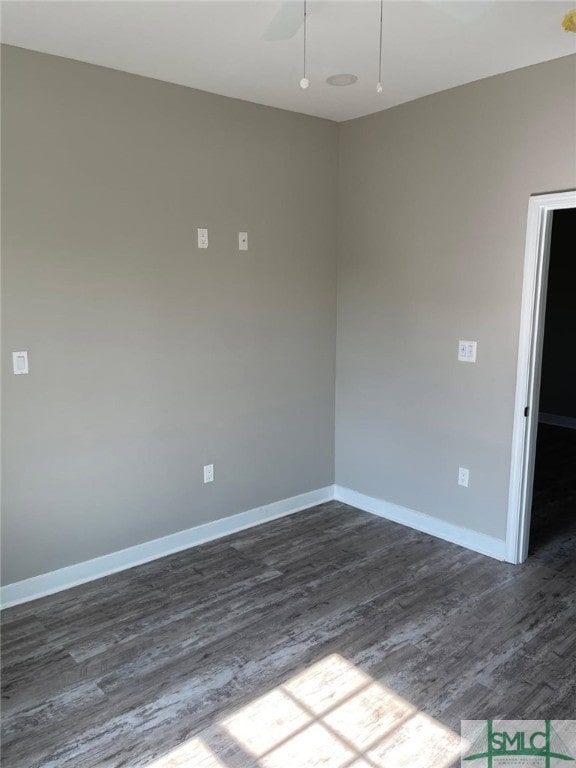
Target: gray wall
{"points": [[433, 207], [558, 383], [148, 357]]}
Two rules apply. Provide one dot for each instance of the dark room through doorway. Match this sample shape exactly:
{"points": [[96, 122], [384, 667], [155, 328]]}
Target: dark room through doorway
{"points": [[553, 520]]}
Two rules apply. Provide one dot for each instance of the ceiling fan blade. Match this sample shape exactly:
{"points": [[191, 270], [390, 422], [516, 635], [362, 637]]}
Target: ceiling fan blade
{"points": [[286, 22]]}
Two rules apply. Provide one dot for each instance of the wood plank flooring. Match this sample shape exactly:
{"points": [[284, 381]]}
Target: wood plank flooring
{"points": [[330, 638]]}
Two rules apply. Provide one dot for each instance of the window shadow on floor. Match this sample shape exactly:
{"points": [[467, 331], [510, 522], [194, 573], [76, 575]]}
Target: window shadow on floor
{"points": [[331, 714]]}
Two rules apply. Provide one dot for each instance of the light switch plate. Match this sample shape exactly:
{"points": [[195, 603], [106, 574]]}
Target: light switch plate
{"points": [[242, 241], [202, 238], [467, 351], [20, 362]]}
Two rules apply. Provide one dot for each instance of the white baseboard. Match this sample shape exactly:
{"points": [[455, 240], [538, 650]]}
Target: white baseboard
{"points": [[478, 542], [557, 421], [72, 575]]}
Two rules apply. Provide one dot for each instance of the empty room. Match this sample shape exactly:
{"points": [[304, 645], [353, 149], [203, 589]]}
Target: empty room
{"points": [[288, 446]]}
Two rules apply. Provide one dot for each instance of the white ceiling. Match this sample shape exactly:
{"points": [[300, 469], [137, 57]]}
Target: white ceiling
{"points": [[218, 46]]}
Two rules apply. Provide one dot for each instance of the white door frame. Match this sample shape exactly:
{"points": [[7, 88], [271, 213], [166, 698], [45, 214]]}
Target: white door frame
{"points": [[536, 259]]}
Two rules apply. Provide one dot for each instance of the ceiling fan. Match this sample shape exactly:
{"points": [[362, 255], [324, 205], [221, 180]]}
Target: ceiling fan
{"points": [[285, 23], [288, 19]]}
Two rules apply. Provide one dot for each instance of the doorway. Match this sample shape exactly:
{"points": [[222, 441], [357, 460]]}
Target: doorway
{"points": [[532, 437], [553, 514]]}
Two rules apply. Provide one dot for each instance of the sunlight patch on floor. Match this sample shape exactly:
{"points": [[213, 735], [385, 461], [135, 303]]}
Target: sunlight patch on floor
{"points": [[326, 683], [331, 715]]}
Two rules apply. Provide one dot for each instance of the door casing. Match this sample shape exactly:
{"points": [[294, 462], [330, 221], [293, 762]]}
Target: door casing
{"points": [[536, 261]]}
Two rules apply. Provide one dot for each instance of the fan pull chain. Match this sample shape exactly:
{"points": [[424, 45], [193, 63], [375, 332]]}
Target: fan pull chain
{"points": [[379, 83], [304, 83]]}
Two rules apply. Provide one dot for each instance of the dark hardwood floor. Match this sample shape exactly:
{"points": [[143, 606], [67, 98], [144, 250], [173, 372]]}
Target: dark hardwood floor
{"points": [[330, 638]]}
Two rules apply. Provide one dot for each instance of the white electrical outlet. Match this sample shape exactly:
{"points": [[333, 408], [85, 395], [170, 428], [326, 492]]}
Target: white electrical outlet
{"points": [[202, 238], [463, 476], [242, 241], [467, 351], [209, 473]]}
